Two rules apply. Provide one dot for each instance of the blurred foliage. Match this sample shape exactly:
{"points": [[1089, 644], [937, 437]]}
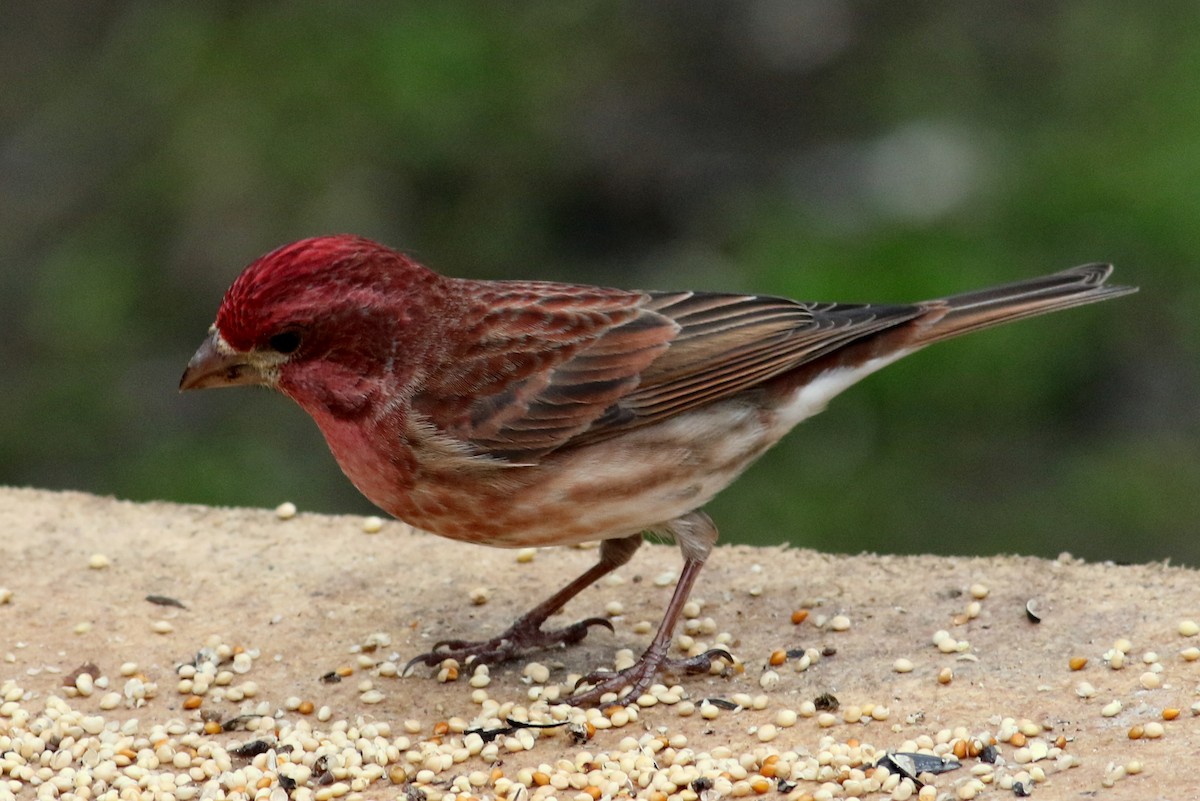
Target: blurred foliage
{"points": [[825, 150]]}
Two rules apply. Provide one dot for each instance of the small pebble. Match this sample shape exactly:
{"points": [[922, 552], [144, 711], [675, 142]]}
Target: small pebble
{"points": [[285, 510]]}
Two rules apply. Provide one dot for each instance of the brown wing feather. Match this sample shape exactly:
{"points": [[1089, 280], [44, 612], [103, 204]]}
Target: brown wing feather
{"points": [[551, 366], [541, 363], [730, 343]]}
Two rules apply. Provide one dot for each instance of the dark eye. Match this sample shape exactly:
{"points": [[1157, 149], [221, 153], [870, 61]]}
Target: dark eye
{"points": [[285, 342]]}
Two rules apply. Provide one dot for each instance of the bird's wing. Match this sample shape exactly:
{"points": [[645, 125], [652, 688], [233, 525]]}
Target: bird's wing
{"points": [[533, 365], [729, 343], [544, 366]]}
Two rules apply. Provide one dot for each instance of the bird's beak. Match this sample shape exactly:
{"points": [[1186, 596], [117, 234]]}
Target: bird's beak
{"points": [[216, 364]]}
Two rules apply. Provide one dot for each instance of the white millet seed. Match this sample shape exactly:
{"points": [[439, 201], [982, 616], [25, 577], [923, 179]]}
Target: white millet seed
{"points": [[162, 627], [537, 672], [902, 665], [839, 623], [98, 561], [1111, 709], [285, 510], [372, 524]]}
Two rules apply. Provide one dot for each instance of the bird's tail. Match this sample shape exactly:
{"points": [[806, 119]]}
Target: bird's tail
{"points": [[984, 308]]}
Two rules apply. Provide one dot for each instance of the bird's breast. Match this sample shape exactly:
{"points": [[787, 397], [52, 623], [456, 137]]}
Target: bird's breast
{"points": [[612, 488]]}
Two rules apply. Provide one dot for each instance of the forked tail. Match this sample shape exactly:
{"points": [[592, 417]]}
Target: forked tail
{"points": [[972, 311]]}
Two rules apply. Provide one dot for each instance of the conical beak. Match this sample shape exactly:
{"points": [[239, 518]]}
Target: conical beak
{"points": [[218, 365]]}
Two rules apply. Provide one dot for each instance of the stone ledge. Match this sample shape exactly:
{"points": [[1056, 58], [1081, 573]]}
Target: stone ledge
{"points": [[303, 596]]}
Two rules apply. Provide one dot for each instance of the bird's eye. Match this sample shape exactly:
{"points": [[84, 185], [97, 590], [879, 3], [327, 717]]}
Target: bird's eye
{"points": [[285, 342]]}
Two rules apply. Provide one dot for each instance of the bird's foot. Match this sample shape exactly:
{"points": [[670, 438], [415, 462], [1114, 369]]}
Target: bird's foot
{"points": [[641, 675], [524, 635]]}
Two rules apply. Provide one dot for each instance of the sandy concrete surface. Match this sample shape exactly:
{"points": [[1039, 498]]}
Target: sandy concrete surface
{"points": [[301, 597]]}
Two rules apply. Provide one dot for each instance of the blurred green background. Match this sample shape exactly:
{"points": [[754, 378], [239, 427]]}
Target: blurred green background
{"points": [[821, 150]]}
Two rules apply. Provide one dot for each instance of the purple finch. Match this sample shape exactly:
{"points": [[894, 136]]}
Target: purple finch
{"points": [[522, 413]]}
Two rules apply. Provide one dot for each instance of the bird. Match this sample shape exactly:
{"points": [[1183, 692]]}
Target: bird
{"points": [[530, 413]]}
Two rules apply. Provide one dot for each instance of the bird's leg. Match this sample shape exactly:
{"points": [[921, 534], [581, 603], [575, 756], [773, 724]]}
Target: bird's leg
{"points": [[526, 632], [696, 533]]}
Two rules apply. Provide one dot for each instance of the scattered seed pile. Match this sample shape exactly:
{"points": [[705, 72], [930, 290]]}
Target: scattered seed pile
{"points": [[165, 652]]}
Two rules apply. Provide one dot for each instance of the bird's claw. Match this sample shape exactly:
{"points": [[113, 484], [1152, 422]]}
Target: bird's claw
{"points": [[634, 680], [521, 637], [577, 631]]}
